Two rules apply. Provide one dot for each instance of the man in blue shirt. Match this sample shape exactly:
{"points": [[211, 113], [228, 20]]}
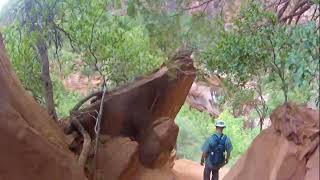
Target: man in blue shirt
{"points": [[213, 151]]}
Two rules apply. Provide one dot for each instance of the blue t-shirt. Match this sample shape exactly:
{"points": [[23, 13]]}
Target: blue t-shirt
{"points": [[210, 140]]}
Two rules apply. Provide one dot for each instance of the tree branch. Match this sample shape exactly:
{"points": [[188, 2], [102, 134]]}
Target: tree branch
{"points": [[80, 103], [296, 13], [90, 45], [280, 73], [197, 6], [97, 130], [280, 2], [314, 13], [283, 9], [68, 35]]}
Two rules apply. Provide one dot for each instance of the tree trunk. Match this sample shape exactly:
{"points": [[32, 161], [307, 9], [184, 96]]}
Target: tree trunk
{"points": [[43, 55], [46, 79], [261, 124]]}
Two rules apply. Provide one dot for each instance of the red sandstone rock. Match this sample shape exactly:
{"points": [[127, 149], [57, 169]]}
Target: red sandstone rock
{"points": [[138, 131], [203, 97], [32, 147], [144, 111], [116, 157], [286, 150]]}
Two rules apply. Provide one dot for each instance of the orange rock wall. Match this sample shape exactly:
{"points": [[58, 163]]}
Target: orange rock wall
{"points": [[32, 147], [289, 149]]}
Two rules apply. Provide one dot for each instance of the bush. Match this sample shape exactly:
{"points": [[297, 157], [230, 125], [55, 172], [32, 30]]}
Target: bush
{"points": [[64, 100], [194, 127]]}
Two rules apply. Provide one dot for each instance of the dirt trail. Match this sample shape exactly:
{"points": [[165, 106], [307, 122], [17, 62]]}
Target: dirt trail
{"points": [[189, 170]]}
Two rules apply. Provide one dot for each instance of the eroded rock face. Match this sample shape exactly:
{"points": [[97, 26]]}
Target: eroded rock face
{"points": [[286, 150], [161, 139], [116, 158], [143, 112], [138, 132], [204, 97], [32, 147]]}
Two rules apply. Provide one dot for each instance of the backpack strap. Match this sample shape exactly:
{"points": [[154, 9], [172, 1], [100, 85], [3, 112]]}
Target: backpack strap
{"points": [[219, 140], [221, 137]]}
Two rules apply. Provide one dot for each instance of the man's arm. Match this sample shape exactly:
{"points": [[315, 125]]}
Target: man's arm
{"points": [[228, 149], [228, 157], [203, 157], [204, 149]]}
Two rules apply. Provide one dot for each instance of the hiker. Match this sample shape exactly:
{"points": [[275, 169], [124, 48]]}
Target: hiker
{"points": [[213, 152]]}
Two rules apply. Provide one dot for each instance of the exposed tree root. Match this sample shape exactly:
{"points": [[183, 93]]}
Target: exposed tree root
{"points": [[80, 103], [86, 143]]}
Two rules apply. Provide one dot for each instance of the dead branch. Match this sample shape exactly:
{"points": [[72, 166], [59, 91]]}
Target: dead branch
{"points": [[97, 130], [298, 6], [298, 13], [275, 5], [91, 42], [264, 108], [314, 13], [86, 143], [68, 35], [298, 18], [197, 6], [283, 9], [280, 2]]}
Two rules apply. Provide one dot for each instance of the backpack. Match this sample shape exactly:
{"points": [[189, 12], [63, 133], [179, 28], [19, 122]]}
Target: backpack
{"points": [[217, 149]]}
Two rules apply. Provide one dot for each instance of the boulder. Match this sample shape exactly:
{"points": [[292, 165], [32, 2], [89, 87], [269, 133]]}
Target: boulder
{"points": [[204, 97], [144, 112], [117, 158], [286, 150]]}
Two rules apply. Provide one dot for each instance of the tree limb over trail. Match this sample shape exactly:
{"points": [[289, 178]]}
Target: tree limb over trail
{"points": [[205, 3], [84, 100]]}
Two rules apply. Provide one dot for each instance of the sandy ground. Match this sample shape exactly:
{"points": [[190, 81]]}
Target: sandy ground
{"points": [[189, 170]]}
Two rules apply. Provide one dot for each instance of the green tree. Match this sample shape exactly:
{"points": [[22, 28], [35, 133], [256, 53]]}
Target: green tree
{"points": [[258, 46], [35, 22], [116, 46]]}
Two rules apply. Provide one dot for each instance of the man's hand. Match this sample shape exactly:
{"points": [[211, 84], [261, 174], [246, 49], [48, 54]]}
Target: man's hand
{"points": [[227, 160], [228, 157], [203, 157]]}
